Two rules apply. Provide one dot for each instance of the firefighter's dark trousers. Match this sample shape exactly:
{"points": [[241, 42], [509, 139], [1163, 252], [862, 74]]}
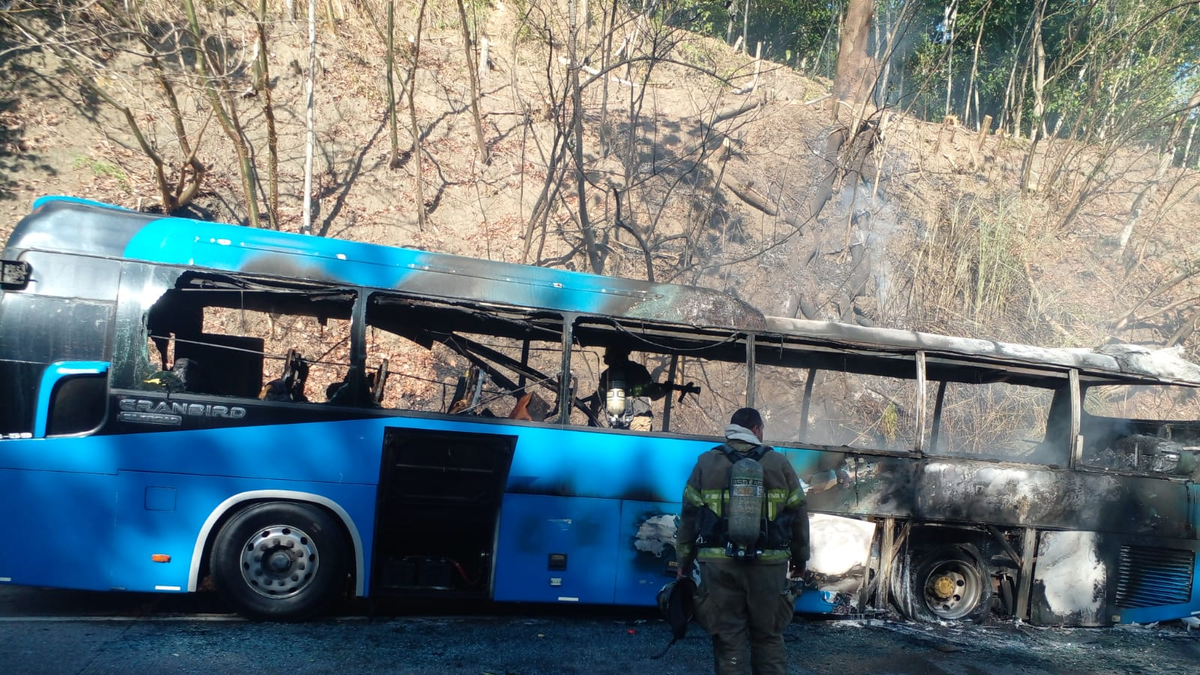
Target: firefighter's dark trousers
{"points": [[745, 607]]}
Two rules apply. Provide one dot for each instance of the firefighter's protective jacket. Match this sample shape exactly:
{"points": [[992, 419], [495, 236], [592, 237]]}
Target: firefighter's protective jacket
{"points": [[708, 489]]}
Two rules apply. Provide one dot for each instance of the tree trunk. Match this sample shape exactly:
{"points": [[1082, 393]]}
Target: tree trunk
{"points": [[595, 259], [1187, 148], [182, 195], [746, 27], [1039, 69], [854, 78], [731, 8], [390, 60], [882, 46], [610, 28], [1010, 117], [473, 78], [264, 86], [412, 117], [306, 225], [1037, 125], [227, 118], [966, 116], [948, 19]]}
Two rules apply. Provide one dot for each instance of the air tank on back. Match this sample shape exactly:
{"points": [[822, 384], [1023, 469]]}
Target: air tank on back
{"points": [[745, 506]]}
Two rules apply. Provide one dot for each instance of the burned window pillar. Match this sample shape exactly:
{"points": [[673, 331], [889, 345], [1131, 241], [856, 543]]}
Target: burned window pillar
{"points": [[143, 288], [356, 377], [750, 371], [918, 446], [1076, 419], [1025, 584], [566, 389]]}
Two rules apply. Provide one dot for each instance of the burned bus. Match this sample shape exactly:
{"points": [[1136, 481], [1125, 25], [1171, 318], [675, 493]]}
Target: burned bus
{"points": [[295, 418]]}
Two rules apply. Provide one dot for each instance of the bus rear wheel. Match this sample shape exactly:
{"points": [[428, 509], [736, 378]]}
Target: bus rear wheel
{"points": [[948, 583], [279, 561]]}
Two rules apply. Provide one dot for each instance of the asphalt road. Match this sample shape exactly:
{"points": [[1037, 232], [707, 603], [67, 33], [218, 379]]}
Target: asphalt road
{"points": [[46, 631]]}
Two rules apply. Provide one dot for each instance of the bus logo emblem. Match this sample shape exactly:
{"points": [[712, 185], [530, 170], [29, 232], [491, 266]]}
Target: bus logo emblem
{"points": [[171, 413]]}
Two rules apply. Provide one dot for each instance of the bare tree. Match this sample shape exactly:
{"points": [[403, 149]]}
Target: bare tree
{"points": [[262, 70], [473, 78], [414, 55], [394, 157], [1037, 57], [590, 246], [855, 75], [82, 45], [966, 114], [1165, 158], [310, 140], [225, 107]]}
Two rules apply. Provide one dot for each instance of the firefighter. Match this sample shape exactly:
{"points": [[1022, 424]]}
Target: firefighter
{"points": [[626, 389], [745, 521]]}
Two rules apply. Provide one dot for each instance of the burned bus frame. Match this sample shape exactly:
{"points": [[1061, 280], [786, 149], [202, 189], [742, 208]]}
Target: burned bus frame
{"points": [[1052, 539], [935, 536]]}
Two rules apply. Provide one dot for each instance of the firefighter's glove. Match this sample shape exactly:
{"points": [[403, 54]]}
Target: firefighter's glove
{"points": [[796, 570]]}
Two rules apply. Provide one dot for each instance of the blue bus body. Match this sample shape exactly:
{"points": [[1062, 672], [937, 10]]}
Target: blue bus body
{"points": [[112, 484]]}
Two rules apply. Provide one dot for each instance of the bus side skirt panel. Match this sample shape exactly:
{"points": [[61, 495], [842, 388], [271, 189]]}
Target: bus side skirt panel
{"points": [[1091, 579], [557, 549], [57, 527], [177, 515]]}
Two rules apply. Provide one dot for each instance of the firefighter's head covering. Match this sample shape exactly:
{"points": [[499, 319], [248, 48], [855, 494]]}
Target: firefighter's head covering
{"points": [[676, 601], [617, 352]]}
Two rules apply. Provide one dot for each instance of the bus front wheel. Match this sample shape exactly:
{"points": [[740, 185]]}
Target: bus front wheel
{"points": [[948, 583], [279, 561]]}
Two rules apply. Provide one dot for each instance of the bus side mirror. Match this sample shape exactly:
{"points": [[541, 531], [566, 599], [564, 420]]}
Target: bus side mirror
{"points": [[14, 273]]}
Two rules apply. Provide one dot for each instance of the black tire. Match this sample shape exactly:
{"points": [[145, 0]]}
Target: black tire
{"points": [[948, 583], [280, 561]]}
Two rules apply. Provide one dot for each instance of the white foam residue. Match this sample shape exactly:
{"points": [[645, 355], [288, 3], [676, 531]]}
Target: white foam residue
{"points": [[837, 544], [1167, 362], [655, 534], [937, 467], [1071, 573]]}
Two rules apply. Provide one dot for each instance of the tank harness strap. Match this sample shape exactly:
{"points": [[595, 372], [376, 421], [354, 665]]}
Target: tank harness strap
{"points": [[734, 456]]}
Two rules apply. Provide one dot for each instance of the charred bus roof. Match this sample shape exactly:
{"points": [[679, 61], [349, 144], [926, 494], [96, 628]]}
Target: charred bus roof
{"points": [[1110, 364], [70, 225]]}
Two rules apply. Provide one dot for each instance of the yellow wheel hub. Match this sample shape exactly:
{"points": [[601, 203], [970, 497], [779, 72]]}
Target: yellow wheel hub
{"points": [[943, 587]]}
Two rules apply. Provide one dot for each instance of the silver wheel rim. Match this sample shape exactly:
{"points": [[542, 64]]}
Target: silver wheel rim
{"points": [[952, 589], [279, 561]]}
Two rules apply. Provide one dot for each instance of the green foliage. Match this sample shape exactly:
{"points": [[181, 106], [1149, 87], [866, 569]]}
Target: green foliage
{"points": [[102, 169], [889, 423], [788, 29]]}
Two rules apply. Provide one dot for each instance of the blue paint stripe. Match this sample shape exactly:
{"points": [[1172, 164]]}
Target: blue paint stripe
{"points": [[42, 201], [241, 249], [51, 376]]}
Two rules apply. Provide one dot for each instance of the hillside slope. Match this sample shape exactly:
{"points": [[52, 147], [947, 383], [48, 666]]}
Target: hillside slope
{"points": [[931, 231]]}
